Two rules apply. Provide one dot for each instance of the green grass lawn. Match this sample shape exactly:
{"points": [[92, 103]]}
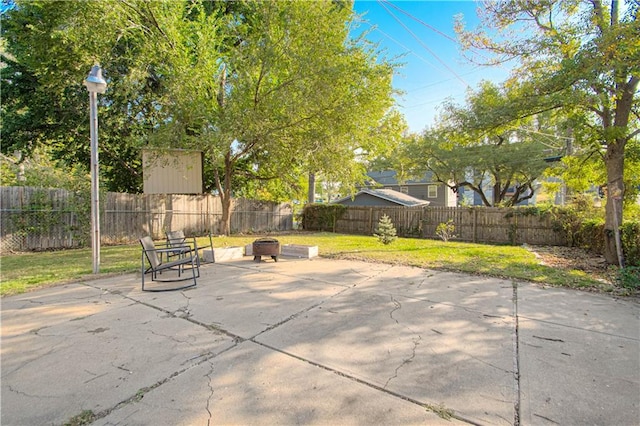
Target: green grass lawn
{"points": [[22, 272]]}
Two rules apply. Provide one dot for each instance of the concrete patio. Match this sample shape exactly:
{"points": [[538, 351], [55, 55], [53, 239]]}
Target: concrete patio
{"points": [[320, 342]]}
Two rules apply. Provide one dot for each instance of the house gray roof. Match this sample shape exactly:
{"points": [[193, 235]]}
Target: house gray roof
{"points": [[390, 195], [390, 177]]}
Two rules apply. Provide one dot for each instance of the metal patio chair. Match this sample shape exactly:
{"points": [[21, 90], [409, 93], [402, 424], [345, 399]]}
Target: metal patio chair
{"points": [[178, 240], [180, 265]]}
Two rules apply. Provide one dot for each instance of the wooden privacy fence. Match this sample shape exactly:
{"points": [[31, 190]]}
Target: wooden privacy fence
{"points": [[512, 225], [39, 219], [515, 225]]}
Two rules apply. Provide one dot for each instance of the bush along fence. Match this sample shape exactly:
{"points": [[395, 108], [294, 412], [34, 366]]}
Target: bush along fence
{"points": [[476, 224], [41, 219], [515, 225]]}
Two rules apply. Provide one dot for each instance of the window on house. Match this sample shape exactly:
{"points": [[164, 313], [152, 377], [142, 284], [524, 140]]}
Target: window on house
{"points": [[404, 189], [432, 191]]}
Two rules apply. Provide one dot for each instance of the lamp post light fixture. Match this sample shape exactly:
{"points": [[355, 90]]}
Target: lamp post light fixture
{"points": [[95, 84]]}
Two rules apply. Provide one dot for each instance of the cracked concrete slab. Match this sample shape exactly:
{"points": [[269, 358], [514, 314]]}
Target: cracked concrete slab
{"points": [[577, 377], [432, 352], [490, 296], [319, 342], [596, 312], [579, 358], [251, 384], [74, 348]]}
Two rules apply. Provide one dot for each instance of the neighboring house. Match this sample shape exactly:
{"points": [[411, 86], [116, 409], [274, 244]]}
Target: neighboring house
{"points": [[436, 193], [381, 197]]}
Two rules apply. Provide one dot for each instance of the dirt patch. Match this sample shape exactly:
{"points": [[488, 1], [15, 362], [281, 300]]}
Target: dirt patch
{"points": [[575, 258]]}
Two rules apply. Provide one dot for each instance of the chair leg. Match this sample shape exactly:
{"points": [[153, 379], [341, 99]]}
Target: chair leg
{"points": [[142, 269], [194, 272]]}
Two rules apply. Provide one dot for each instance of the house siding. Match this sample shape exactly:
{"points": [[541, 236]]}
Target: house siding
{"points": [[445, 197], [418, 189]]}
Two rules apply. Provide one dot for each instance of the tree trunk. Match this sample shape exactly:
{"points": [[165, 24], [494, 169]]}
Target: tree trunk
{"points": [[311, 193], [614, 161], [497, 193], [226, 213], [224, 190]]}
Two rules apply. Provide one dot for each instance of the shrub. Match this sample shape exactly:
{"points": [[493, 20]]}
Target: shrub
{"points": [[446, 230], [629, 277], [589, 235], [385, 231], [630, 236], [322, 217]]}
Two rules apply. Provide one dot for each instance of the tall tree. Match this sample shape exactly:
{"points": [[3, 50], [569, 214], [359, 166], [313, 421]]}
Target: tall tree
{"points": [[283, 92], [268, 90], [48, 48], [573, 55], [468, 150]]}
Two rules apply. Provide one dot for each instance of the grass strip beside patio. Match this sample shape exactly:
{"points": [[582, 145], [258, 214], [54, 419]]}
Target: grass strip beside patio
{"points": [[27, 271]]}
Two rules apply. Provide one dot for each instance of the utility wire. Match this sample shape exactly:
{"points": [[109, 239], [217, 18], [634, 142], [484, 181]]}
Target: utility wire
{"points": [[418, 20], [423, 44], [407, 49], [432, 28], [415, 89], [383, 3]]}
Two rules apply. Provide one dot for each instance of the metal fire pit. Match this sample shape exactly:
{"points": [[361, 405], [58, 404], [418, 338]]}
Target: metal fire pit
{"points": [[266, 247]]}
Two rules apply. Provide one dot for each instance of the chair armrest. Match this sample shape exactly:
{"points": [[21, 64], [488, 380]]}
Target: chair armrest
{"points": [[173, 250]]}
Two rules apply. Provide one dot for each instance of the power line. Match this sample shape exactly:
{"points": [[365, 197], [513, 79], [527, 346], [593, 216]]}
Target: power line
{"points": [[432, 28], [420, 21], [407, 49], [423, 44], [434, 101], [443, 81]]}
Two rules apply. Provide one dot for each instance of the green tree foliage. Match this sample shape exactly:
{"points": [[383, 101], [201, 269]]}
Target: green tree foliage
{"points": [[269, 91], [385, 232], [582, 57], [469, 150], [48, 49], [292, 94], [39, 170]]}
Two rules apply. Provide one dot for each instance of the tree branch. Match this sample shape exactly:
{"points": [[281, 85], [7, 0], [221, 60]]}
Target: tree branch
{"points": [[633, 134], [614, 12]]}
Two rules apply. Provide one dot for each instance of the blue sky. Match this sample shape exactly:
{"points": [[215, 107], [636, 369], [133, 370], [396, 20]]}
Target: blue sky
{"points": [[434, 67]]}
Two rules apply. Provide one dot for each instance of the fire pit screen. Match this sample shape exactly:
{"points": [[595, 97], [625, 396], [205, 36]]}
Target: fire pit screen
{"points": [[266, 247]]}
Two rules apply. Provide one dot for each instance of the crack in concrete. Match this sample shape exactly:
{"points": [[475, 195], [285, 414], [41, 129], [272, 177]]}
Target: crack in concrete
{"points": [[437, 409], [207, 407], [406, 361], [37, 358], [397, 305], [184, 309], [303, 311], [516, 357], [145, 390], [121, 367], [170, 337], [546, 418], [19, 392], [95, 376]]}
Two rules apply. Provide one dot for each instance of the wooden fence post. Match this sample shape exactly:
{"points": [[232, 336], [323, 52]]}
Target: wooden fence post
{"points": [[475, 225]]}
